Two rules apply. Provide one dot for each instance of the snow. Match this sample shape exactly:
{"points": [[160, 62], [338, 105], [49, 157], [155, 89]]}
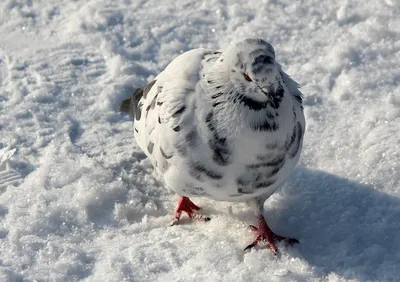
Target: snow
{"points": [[78, 200]]}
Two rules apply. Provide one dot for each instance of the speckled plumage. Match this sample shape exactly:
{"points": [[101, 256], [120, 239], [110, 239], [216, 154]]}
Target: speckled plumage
{"points": [[224, 125], [203, 125]]}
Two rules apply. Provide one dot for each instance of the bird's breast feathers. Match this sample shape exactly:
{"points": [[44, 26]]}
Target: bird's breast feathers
{"points": [[202, 150]]}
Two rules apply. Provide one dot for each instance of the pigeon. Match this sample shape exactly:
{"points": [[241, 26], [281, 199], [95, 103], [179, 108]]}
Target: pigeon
{"points": [[227, 126]]}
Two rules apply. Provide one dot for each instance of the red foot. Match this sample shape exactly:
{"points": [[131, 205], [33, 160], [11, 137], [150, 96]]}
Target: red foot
{"points": [[186, 205], [266, 234]]}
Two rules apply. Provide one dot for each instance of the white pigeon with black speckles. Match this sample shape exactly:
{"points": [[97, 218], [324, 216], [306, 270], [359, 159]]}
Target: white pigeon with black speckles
{"points": [[224, 125]]}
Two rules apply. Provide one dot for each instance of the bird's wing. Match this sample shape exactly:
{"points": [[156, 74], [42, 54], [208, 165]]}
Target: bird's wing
{"points": [[293, 86], [167, 109]]}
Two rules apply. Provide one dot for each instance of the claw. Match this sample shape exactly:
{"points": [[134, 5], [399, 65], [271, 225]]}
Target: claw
{"points": [[265, 234], [173, 222], [253, 228], [187, 206], [249, 247]]}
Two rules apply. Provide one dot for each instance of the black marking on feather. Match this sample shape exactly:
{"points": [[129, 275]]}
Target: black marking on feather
{"points": [[260, 42], [275, 99], [242, 182], [257, 51], [217, 103], [292, 152], [148, 107], [147, 89], [164, 154], [271, 146], [178, 112], [206, 53], [218, 144], [193, 173], [159, 120], [257, 70], [247, 191], [150, 147], [275, 171], [278, 161], [137, 131], [148, 110], [298, 98], [294, 114], [176, 129], [255, 41], [159, 103], [265, 126], [248, 187], [252, 104], [218, 87], [263, 157], [217, 95], [210, 81], [209, 117], [264, 184], [263, 60], [153, 102], [221, 151], [200, 169], [290, 141]]}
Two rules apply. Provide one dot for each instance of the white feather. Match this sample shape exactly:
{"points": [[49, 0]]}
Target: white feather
{"points": [[174, 133]]}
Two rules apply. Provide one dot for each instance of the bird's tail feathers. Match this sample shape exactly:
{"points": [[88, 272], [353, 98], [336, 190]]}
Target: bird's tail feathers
{"points": [[125, 106], [130, 105]]}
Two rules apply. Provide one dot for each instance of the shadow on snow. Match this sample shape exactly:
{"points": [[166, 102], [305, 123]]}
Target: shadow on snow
{"points": [[344, 227]]}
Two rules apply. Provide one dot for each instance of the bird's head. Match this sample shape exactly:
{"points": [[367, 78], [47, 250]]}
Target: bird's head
{"points": [[252, 68]]}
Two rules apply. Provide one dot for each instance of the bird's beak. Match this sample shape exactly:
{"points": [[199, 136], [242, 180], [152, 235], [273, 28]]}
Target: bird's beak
{"points": [[267, 90]]}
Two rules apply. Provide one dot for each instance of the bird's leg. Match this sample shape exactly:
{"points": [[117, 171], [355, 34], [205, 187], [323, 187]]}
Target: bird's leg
{"points": [[264, 233], [186, 205]]}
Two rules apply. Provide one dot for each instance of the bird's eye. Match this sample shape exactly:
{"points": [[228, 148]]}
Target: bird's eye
{"points": [[247, 77]]}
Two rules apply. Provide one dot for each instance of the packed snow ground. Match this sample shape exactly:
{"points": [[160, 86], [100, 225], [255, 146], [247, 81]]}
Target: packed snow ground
{"points": [[78, 200]]}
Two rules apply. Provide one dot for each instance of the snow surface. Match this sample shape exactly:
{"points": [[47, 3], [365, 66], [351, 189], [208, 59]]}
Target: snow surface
{"points": [[78, 200]]}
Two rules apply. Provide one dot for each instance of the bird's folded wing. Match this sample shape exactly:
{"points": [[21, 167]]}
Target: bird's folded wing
{"points": [[168, 108]]}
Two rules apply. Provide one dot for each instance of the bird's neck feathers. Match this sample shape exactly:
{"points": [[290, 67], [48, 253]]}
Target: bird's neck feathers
{"points": [[223, 90], [235, 109]]}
